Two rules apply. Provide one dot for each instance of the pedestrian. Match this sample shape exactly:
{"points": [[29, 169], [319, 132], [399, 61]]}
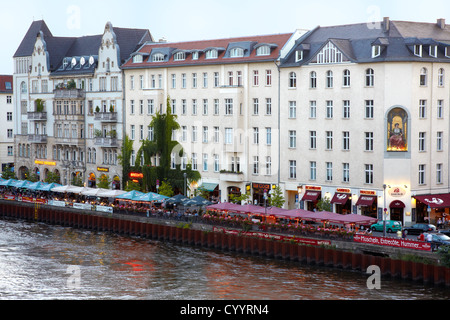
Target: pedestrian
{"points": [[421, 237], [404, 234], [439, 223]]}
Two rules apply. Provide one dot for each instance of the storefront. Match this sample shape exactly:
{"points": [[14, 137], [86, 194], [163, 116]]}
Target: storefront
{"points": [[397, 209], [342, 201], [312, 195], [430, 208], [368, 203], [259, 189]]}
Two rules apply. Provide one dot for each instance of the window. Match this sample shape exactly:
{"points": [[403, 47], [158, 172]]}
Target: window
{"points": [[268, 166], [433, 51], [292, 169], [312, 109], [194, 107], [292, 80], [369, 173], [346, 80], [174, 81], [183, 106], [237, 53], [422, 109], [312, 170], [256, 135], [194, 80], [194, 134], [422, 174], [329, 54], [329, 140], [205, 107], [205, 135], [151, 106], [329, 113], [184, 133], [376, 51], [312, 140], [216, 163], [439, 173], [440, 109], [205, 162], [368, 141], [158, 57], [10, 151], [133, 134], [268, 78], [132, 107], [211, 54], [418, 50], [228, 135], [138, 58], [194, 162], [230, 78], [345, 172], [441, 77], [329, 171], [439, 144], [269, 136], [216, 80], [183, 80], [9, 133], [9, 116], [255, 165], [346, 109], [205, 80], [370, 78], [228, 106], [313, 80], [369, 109], [216, 106], [255, 78], [263, 51], [216, 134], [346, 140], [292, 139], [422, 141], [268, 106], [423, 77], [292, 109], [179, 56], [329, 79]]}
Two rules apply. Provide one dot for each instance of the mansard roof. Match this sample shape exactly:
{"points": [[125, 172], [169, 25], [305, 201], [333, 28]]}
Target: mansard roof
{"points": [[249, 45], [355, 41], [67, 47]]}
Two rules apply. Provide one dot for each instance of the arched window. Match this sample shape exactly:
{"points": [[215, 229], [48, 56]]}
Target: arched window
{"points": [[292, 80], [423, 76], [158, 57], [179, 56], [237, 53], [346, 80], [211, 54], [263, 51], [23, 87], [370, 80], [313, 80]]}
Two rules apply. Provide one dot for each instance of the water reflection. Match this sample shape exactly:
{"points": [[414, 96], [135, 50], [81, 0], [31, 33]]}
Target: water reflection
{"points": [[34, 259]]}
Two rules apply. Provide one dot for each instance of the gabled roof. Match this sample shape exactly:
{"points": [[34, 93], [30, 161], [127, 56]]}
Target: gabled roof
{"points": [[356, 41], [275, 42]]}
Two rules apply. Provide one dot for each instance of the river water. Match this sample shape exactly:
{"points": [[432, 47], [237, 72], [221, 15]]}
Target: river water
{"points": [[42, 262]]}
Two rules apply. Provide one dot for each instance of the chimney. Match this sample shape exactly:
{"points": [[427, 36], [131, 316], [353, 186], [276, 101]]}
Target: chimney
{"points": [[441, 23], [386, 24]]}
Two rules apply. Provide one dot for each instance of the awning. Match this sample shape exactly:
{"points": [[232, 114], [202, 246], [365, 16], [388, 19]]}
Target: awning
{"points": [[340, 198], [435, 201], [397, 204], [311, 196], [365, 201], [210, 187]]}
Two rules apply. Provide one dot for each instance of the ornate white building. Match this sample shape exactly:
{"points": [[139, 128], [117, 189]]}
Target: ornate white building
{"points": [[68, 104]]}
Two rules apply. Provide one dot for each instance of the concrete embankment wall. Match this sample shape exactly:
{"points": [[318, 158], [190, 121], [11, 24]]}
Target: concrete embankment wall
{"points": [[141, 227]]}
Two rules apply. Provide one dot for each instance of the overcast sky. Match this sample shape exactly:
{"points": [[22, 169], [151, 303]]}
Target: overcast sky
{"points": [[186, 20]]}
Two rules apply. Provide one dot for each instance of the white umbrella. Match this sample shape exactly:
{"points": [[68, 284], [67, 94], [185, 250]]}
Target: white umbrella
{"points": [[92, 192], [111, 193]]}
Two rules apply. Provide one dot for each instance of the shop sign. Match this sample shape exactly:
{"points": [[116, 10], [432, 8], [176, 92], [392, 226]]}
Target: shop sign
{"points": [[101, 169], [397, 192], [136, 175], [343, 190], [368, 193], [393, 242], [45, 163], [313, 188], [261, 186]]}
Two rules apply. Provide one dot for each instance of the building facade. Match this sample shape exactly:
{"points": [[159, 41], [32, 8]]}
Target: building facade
{"points": [[68, 107], [6, 118]]}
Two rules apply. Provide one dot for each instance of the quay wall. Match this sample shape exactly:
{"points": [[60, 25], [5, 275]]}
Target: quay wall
{"points": [[203, 236]]}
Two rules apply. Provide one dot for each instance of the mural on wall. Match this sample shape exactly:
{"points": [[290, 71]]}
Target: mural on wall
{"points": [[397, 130]]}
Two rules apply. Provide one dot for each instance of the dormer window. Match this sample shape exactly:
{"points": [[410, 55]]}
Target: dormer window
{"points": [[237, 53], [263, 51], [195, 55], [138, 58], [158, 57], [298, 55], [418, 50], [433, 51], [447, 52], [211, 54], [179, 56], [376, 51], [65, 63]]}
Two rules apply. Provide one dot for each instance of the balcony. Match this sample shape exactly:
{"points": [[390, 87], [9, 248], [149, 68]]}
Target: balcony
{"points": [[106, 142], [37, 116], [106, 116], [37, 138], [231, 176], [69, 94]]}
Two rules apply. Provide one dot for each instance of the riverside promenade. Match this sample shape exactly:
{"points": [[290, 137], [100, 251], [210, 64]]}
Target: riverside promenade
{"points": [[345, 254]]}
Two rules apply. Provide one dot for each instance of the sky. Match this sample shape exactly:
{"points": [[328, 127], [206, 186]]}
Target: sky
{"points": [[187, 20]]}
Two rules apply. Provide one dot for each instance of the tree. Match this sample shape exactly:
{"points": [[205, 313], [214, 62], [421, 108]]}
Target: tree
{"points": [[162, 146], [276, 198], [52, 178], [166, 189], [324, 204], [104, 182], [125, 159]]}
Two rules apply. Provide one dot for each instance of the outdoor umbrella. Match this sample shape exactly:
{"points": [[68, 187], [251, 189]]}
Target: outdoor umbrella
{"points": [[178, 199], [35, 185], [149, 197], [111, 193], [93, 192], [8, 183], [132, 195], [21, 184], [197, 201], [48, 187]]}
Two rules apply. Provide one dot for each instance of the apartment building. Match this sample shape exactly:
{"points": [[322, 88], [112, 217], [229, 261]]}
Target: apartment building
{"points": [[365, 114], [225, 95], [6, 118], [68, 106]]}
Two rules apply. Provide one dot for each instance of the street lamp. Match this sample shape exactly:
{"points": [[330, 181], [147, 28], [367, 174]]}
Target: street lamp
{"points": [[384, 212], [185, 183]]}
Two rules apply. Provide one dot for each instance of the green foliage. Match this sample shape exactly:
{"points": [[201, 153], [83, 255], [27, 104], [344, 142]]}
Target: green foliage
{"points": [[77, 181], [104, 182], [166, 189], [125, 159], [130, 186], [33, 177], [276, 198], [71, 84], [239, 199], [39, 105], [324, 204], [53, 178], [8, 174], [444, 255]]}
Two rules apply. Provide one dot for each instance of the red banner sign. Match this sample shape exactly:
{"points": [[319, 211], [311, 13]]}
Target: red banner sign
{"points": [[263, 235], [393, 242]]}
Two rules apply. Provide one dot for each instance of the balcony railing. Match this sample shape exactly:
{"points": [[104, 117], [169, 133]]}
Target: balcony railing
{"points": [[106, 116], [106, 142], [37, 138], [37, 116], [69, 93]]}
